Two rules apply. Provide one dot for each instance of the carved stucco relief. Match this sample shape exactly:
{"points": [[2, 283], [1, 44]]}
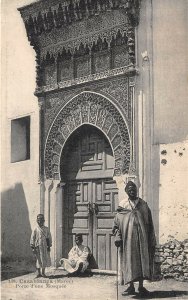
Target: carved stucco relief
{"points": [[45, 16], [116, 89], [94, 109]]}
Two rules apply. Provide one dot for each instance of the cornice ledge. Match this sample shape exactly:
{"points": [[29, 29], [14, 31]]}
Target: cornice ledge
{"points": [[128, 70]]}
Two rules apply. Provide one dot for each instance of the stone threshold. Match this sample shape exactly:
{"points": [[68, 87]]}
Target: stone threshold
{"points": [[94, 271]]}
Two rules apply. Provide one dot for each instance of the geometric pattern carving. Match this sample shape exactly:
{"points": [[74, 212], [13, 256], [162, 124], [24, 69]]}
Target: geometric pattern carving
{"points": [[42, 17], [87, 38], [119, 90], [100, 56], [94, 109], [116, 89]]}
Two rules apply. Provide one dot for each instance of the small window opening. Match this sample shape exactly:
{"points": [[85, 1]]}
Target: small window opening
{"points": [[20, 139]]}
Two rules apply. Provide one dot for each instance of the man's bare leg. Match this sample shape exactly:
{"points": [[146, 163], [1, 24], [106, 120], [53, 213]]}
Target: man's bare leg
{"points": [[43, 272], [130, 290], [38, 273]]}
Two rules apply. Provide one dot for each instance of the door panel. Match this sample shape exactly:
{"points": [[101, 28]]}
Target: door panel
{"points": [[75, 215], [87, 155], [91, 195], [103, 220]]}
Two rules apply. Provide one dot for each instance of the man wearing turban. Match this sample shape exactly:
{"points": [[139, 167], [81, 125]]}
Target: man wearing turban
{"points": [[134, 231]]}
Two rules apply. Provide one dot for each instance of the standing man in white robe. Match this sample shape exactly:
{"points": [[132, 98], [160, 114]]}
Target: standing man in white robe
{"points": [[40, 242]]}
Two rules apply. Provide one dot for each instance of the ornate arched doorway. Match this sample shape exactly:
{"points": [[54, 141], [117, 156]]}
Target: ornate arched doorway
{"points": [[90, 193], [87, 146]]}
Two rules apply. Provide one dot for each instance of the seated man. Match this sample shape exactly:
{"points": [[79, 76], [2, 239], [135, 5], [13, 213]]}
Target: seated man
{"points": [[77, 261]]}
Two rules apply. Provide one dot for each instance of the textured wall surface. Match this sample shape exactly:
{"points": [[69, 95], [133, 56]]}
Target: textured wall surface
{"points": [[173, 191], [172, 259]]}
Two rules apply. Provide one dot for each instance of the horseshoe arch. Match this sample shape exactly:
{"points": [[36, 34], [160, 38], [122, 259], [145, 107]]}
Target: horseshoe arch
{"points": [[94, 109]]}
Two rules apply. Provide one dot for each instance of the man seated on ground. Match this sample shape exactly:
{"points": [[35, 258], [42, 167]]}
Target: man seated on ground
{"points": [[77, 261]]}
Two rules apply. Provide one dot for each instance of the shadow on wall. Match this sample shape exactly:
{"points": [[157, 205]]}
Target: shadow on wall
{"points": [[15, 226]]}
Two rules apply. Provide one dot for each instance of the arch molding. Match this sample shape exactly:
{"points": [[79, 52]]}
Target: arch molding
{"points": [[94, 109]]}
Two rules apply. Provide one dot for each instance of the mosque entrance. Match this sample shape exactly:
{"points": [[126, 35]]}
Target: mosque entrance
{"points": [[90, 194]]}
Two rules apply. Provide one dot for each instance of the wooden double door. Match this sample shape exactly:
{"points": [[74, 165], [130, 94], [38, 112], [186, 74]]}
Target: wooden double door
{"points": [[90, 194]]}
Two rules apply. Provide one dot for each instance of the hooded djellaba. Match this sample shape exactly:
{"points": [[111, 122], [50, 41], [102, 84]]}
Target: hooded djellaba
{"points": [[134, 234]]}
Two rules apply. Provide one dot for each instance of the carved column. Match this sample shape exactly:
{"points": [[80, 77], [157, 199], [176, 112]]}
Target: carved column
{"points": [[52, 220], [59, 221], [49, 184], [56, 215], [42, 197], [41, 137], [41, 173], [131, 116]]}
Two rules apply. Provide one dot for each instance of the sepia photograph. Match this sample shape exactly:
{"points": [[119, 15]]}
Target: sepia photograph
{"points": [[94, 149]]}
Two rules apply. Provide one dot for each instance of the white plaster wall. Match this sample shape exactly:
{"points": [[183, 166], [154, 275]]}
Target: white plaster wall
{"points": [[161, 100], [19, 181], [170, 107], [170, 72], [173, 191]]}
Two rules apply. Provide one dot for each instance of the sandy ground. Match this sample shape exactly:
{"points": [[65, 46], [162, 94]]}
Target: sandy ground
{"points": [[95, 287], [15, 269]]}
